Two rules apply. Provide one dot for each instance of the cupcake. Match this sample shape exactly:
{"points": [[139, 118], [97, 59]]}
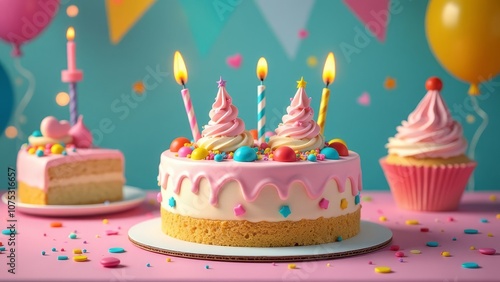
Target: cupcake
{"points": [[426, 166]]}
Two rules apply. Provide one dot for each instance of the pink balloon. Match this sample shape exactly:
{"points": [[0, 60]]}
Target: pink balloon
{"points": [[23, 20]]}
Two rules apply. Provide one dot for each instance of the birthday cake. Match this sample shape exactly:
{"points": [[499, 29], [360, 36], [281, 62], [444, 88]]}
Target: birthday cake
{"points": [[229, 189], [60, 166]]}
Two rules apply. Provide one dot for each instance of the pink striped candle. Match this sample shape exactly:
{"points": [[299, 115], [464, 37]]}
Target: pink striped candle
{"points": [[193, 123]]}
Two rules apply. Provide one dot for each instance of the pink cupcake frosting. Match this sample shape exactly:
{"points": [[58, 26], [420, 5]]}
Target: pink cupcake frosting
{"points": [[429, 132]]}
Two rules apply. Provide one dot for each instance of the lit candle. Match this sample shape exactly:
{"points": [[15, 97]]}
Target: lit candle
{"points": [[72, 75], [328, 77], [181, 77], [261, 100]]}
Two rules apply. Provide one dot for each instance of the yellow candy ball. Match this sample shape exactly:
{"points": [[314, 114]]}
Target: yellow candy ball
{"points": [[199, 154], [32, 151], [337, 140], [57, 149]]}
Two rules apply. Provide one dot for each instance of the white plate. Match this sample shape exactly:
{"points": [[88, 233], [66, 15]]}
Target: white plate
{"points": [[148, 235], [132, 197]]}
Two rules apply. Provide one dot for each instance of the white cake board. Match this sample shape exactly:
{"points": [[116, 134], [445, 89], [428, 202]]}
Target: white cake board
{"points": [[148, 235]]}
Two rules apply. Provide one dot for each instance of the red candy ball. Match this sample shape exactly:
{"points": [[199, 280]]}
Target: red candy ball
{"points": [[284, 154], [434, 83], [340, 148], [178, 143]]}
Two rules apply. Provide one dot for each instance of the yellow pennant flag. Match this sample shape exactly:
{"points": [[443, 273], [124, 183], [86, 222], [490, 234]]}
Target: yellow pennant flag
{"points": [[123, 14]]}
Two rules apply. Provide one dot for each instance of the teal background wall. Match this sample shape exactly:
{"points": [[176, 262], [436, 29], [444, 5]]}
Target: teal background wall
{"points": [[144, 127]]}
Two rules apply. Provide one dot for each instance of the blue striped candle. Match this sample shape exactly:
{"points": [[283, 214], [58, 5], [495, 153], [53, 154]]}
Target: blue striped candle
{"points": [[261, 100]]}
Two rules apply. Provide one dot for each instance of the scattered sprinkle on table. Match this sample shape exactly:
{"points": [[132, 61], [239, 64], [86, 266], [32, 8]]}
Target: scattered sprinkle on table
{"points": [[84, 251], [472, 248], [72, 236], [394, 248], [77, 251], [484, 220], [56, 224], [148, 265], [411, 222], [424, 229], [62, 249], [498, 216], [492, 198], [451, 219], [445, 254], [2, 249], [80, 258], [454, 238], [116, 250], [207, 266], [383, 269], [490, 234], [105, 221], [54, 249], [487, 251], [62, 257], [366, 198], [382, 218], [111, 232], [292, 266], [43, 253], [110, 262], [399, 254], [471, 231], [415, 252], [470, 265], [328, 265], [8, 231], [169, 259], [432, 244]]}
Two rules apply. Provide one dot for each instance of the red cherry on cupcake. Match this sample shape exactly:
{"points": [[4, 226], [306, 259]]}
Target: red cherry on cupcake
{"points": [[284, 154], [434, 83], [178, 143], [340, 148]]}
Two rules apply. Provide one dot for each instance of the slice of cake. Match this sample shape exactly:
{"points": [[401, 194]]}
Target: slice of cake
{"points": [[60, 167], [223, 190]]}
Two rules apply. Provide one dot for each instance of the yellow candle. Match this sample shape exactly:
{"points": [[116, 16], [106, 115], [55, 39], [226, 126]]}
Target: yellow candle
{"points": [[328, 77]]}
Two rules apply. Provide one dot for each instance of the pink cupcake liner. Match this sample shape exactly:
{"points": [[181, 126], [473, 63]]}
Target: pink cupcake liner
{"points": [[427, 188]]}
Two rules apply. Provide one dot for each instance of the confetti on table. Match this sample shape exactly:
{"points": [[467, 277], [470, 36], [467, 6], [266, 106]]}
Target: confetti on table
{"points": [[207, 266], [72, 236], [111, 232], [471, 231], [394, 248], [470, 265], [116, 250], [445, 254], [498, 216], [169, 259], [383, 269], [484, 220], [110, 261], [80, 258], [56, 224], [492, 198], [105, 221], [490, 234], [472, 248], [411, 222], [390, 83], [415, 252], [77, 251], [399, 254], [292, 266], [43, 253], [382, 218], [424, 229], [138, 87], [62, 257], [432, 244]]}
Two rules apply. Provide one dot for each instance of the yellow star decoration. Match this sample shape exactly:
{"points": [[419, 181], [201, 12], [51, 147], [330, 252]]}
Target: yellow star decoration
{"points": [[301, 83]]}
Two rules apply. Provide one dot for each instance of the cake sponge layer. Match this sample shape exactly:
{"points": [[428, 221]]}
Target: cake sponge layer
{"points": [[84, 168], [73, 194], [242, 233]]}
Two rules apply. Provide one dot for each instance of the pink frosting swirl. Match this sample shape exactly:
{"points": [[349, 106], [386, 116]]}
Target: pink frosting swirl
{"points": [[82, 138], [224, 119], [430, 131], [298, 123]]}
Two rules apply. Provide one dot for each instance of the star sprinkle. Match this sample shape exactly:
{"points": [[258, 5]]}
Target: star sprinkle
{"points": [[221, 82], [285, 211], [171, 202], [301, 83]]}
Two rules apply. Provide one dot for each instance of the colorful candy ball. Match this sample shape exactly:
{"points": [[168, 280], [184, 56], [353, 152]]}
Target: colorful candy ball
{"points": [[178, 143], [57, 149], [434, 83], [340, 147], [330, 153], [284, 154], [184, 151], [245, 154], [337, 140], [218, 158], [199, 154]]}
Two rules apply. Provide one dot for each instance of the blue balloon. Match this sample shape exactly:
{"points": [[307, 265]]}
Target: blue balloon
{"points": [[6, 99]]}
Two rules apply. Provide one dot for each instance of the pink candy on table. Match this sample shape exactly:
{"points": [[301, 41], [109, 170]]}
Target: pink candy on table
{"points": [[487, 251], [110, 262]]}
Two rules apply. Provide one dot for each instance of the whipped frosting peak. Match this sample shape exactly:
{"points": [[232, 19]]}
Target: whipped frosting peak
{"points": [[298, 130], [82, 137], [429, 132]]}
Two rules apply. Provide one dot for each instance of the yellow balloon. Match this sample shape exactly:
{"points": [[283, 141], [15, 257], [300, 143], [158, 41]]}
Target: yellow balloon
{"points": [[464, 36]]}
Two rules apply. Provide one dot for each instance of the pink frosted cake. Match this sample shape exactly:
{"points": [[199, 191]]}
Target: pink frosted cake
{"points": [[60, 167], [226, 189]]}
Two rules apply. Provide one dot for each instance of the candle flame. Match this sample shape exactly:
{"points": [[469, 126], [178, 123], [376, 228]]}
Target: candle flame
{"points": [[180, 71], [70, 33], [329, 69], [262, 68]]}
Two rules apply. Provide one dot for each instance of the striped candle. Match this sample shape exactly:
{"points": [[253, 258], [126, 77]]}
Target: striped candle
{"points": [[261, 100], [323, 109], [193, 123], [328, 77], [73, 104], [261, 113]]}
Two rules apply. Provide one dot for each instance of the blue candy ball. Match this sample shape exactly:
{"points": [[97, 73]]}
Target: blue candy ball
{"points": [[244, 154], [311, 158], [39, 153], [218, 158], [36, 133], [330, 153]]}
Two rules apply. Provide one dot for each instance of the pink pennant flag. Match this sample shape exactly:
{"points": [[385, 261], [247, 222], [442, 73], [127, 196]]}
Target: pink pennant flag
{"points": [[374, 14]]}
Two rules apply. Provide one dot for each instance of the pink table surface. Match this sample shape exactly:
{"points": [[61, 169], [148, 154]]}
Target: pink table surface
{"points": [[35, 235]]}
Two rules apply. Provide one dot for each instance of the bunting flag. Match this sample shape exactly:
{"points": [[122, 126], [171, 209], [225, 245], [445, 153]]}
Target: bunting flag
{"points": [[207, 19], [374, 14], [287, 22], [122, 16]]}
